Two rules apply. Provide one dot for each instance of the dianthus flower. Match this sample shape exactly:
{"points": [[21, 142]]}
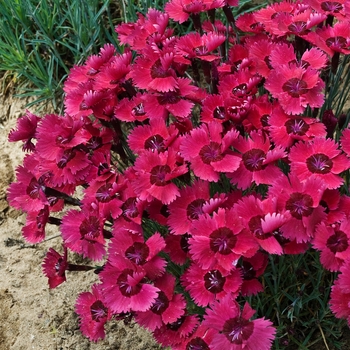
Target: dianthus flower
{"points": [[258, 161], [82, 232], [124, 286], [234, 330], [208, 151], [334, 244], [154, 172], [321, 158], [340, 294], [93, 313], [286, 130], [295, 87], [206, 286], [302, 201], [167, 307], [34, 229], [142, 253], [25, 131], [220, 240], [55, 266], [180, 10], [133, 109], [176, 332]]}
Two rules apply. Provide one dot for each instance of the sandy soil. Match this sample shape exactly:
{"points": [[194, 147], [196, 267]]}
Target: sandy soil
{"points": [[31, 315]]}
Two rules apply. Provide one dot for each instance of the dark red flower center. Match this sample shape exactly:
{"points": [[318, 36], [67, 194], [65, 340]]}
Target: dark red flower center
{"points": [[219, 113], [90, 229], [296, 126], [238, 330], [319, 163], [195, 209], [138, 110], [201, 50], [295, 87], [126, 287], [298, 27], [170, 97], [129, 208], [248, 271], [253, 159], [103, 194], [61, 140], [240, 90], [184, 242], [155, 142], [214, 281], [137, 253], [222, 241], [336, 43], [175, 326], [211, 153], [34, 188], [160, 304], [331, 6], [338, 242], [98, 311], [158, 71], [299, 205], [158, 175], [197, 344], [67, 155]]}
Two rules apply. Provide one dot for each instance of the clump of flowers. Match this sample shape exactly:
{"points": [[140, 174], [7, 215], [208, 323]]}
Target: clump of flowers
{"points": [[198, 155]]}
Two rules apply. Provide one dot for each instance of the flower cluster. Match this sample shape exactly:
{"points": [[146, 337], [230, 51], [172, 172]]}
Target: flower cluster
{"points": [[198, 155]]}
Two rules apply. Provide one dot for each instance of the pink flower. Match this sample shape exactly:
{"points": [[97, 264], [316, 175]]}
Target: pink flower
{"points": [[234, 331], [257, 162], [34, 229], [209, 152], [142, 253], [207, 285], [302, 201], [125, 288], [321, 158], [334, 244], [93, 313], [54, 267], [25, 131], [167, 307], [340, 294], [82, 232], [154, 172], [286, 130], [220, 240], [295, 88], [180, 10]]}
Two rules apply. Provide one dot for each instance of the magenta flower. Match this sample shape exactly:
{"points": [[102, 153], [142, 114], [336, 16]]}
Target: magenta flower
{"points": [[180, 10], [302, 201], [286, 130], [167, 307], [295, 88], [54, 267], [220, 240], [258, 161], [82, 232], [206, 286], [177, 332], [321, 158], [208, 152], [125, 288], [154, 172], [93, 313], [340, 294], [25, 131], [142, 253], [34, 229], [234, 331], [334, 244]]}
